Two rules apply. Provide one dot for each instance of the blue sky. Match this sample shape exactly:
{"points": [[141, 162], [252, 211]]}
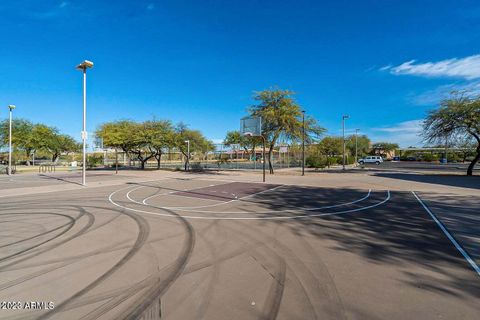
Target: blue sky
{"points": [[385, 63]]}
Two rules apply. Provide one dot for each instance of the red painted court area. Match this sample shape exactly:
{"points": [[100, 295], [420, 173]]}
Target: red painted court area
{"points": [[228, 191]]}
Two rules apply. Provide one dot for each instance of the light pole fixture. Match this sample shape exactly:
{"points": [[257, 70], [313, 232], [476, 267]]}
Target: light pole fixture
{"points": [[83, 67], [10, 108], [345, 116], [187, 165], [356, 146], [303, 142]]}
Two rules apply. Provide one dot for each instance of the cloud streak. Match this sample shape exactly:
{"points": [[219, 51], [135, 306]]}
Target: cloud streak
{"points": [[465, 68], [406, 134]]}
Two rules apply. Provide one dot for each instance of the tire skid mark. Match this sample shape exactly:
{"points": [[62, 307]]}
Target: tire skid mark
{"points": [[43, 233], [91, 220], [26, 250], [315, 291], [61, 263], [143, 232], [152, 299]]}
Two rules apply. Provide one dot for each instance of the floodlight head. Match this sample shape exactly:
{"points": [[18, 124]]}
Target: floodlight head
{"points": [[85, 65], [248, 134], [11, 107], [346, 116], [187, 141]]}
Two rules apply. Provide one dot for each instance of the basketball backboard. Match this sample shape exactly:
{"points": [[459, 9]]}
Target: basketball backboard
{"points": [[251, 126]]}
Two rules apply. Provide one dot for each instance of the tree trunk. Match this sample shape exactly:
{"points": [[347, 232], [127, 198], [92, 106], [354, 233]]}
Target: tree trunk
{"points": [[54, 157], [142, 163], [254, 153], [187, 161], [474, 162], [158, 156], [270, 166], [28, 152]]}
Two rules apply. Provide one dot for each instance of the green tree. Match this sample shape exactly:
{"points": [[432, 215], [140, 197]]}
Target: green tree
{"points": [[331, 147], [458, 115], [198, 143], [28, 138], [62, 144], [467, 145], [21, 135], [235, 137], [130, 136], [282, 119], [363, 144], [159, 136], [383, 148]]}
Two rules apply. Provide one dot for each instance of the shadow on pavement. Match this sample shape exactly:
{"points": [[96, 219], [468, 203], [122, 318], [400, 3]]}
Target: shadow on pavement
{"points": [[398, 234], [446, 180]]}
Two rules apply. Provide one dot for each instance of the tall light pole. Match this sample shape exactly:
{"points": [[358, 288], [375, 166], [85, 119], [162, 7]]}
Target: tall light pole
{"points": [[10, 107], [356, 146], [187, 165], [345, 116], [83, 67], [303, 142]]}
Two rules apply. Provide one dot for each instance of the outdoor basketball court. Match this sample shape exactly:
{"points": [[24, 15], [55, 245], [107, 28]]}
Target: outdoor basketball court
{"points": [[188, 246]]}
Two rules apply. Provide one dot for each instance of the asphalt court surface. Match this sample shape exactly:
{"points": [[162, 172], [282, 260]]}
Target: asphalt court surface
{"points": [[227, 192], [209, 249], [30, 180]]}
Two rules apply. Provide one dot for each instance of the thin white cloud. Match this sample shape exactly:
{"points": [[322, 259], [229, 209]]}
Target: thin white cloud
{"points": [[405, 133], [63, 4], [465, 68], [433, 97], [151, 6], [406, 126]]}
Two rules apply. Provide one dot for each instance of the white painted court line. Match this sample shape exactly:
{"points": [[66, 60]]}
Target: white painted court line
{"points": [[215, 204], [174, 191], [449, 236], [268, 211], [252, 218]]}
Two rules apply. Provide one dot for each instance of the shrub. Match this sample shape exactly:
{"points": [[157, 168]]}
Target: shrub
{"points": [[315, 161], [95, 161], [429, 157]]}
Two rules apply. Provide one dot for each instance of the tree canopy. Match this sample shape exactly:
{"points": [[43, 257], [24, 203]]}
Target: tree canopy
{"points": [[457, 116], [146, 140], [363, 145], [29, 137], [282, 119]]}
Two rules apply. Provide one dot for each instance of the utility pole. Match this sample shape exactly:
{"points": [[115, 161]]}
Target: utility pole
{"points": [[83, 67], [356, 146], [10, 107], [303, 142], [343, 129]]}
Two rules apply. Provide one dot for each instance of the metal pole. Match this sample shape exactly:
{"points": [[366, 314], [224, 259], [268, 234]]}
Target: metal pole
{"points": [[84, 132], [446, 151], [116, 161], [303, 142], [188, 155], [264, 142], [356, 146], [343, 129], [10, 145]]}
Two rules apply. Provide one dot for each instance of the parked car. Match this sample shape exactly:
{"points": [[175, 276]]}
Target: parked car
{"points": [[371, 159], [397, 158]]}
